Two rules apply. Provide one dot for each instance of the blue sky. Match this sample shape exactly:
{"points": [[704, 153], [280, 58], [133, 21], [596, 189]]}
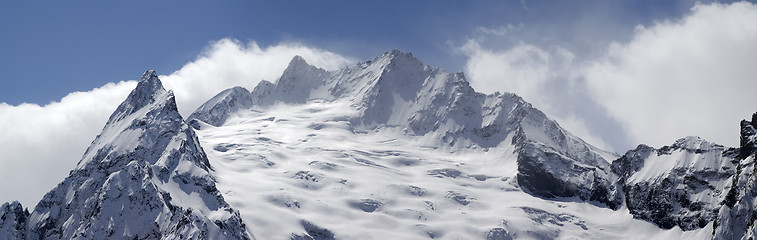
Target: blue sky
{"points": [[49, 49], [615, 73]]}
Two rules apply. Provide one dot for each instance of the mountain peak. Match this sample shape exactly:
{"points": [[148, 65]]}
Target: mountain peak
{"points": [[398, 57], [296, 60], [146, 160], [298, 63], [149, 90], [150, 83], [396, 53], [149, 74]]}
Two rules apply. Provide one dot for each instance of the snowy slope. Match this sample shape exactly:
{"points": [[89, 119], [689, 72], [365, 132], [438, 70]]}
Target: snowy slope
{"points": [[396, 92], [391, 148], [304, 165], [144, 177]]}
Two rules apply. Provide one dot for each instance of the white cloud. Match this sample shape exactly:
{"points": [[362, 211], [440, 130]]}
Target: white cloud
{"points": [[524, 69], [693, 76], [690, 76], [40, 144]]}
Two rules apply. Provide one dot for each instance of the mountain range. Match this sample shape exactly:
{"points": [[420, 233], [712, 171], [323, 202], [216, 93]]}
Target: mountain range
{"points": [[383, 149]]}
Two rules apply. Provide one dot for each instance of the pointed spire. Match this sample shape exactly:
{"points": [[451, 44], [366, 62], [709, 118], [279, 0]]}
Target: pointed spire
{"points": [[147, 91], [148, 85]]}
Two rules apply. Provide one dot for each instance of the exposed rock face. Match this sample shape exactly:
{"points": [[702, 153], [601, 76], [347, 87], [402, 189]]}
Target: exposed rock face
{"points": [[144, 177], [554, 163], [736, 216], [678, 185], [13, 218]]}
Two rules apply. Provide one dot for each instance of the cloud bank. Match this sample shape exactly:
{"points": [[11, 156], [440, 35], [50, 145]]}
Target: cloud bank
{"points": [[39, 144], [693, 76], [689, 76]]}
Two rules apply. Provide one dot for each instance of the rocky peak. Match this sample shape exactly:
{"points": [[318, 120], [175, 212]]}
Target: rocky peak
{"points": [[297, 69], [399, 68], [748, 137], [396, 57], [298, 80], [13, 218], [149, 109], [632, 161], [149, 90]]}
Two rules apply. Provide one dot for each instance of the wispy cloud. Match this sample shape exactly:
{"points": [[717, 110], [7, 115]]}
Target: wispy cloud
{"points": [[499, 31]]}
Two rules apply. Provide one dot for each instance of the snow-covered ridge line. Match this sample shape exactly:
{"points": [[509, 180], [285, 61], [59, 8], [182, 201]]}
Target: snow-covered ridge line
{"points": [[395, 90]]}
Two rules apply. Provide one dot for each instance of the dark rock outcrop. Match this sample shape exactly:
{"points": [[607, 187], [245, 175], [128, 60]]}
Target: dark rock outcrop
{"points": [[13, 219], [678, 185], [736, 217]]}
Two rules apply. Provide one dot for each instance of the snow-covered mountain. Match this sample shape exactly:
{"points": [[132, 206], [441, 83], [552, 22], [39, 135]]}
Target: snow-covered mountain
{"points": [[383, 149], [683, 184], [397, 91], [144, 177], [426, 156]]}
